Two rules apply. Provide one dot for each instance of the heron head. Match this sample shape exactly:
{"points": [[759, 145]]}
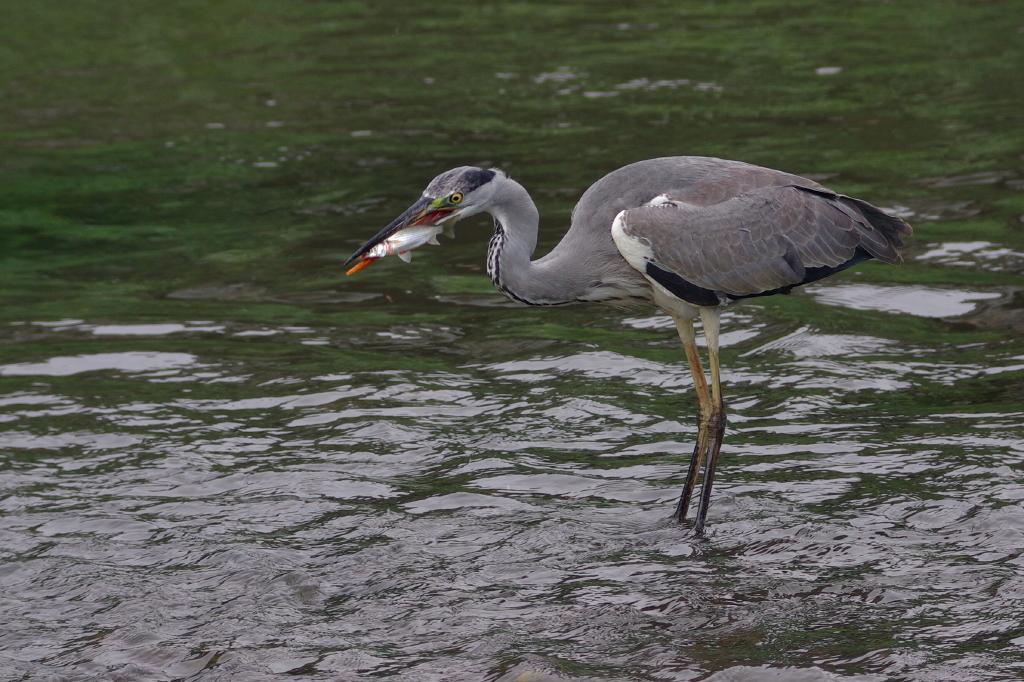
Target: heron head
{"points": [[452, 195]]}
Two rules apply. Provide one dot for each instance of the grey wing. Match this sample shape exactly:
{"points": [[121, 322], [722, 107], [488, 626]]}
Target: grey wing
{"points": [[764, 241]]}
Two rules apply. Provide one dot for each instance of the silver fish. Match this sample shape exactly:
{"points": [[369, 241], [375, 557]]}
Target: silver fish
{"points": [[401, 243]]}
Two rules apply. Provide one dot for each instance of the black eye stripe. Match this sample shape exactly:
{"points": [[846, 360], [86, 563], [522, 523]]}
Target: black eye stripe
{"points": [[462, 180], [472, 178]]}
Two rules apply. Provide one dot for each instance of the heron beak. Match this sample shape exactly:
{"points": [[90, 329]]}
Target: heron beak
{"points": [[423, 212], [360, 265]]}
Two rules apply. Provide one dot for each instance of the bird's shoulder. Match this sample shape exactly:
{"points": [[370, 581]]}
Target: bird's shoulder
{"points": [[697, 180]]}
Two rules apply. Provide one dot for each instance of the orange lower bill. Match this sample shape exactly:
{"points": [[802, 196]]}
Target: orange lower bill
{"points": [[360, 265]]}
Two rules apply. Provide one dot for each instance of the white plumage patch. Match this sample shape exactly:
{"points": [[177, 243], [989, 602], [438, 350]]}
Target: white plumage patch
{"points": [[662, 200], [636, 250], [638, 253]]}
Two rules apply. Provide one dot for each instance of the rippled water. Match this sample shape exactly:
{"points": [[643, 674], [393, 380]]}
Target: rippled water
{"points": [[167, 512], [220, 459]]}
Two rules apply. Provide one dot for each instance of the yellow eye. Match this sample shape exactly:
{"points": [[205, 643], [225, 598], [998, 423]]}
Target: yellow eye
{"points": [[455, 198]]}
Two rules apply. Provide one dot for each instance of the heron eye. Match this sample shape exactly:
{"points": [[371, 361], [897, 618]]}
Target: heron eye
{"points": [[455, 198]]}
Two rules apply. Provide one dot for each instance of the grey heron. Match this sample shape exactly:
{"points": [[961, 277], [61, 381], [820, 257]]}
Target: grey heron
{"points": [[688, 235]]}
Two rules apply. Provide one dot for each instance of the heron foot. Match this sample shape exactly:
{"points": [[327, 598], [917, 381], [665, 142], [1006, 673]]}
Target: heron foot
{"points": [[711, 432], [716, 426], [699, 450]]}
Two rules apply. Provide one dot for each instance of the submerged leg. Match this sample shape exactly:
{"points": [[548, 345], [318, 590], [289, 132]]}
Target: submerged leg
{"points": [[700, 385], [716, 416]]}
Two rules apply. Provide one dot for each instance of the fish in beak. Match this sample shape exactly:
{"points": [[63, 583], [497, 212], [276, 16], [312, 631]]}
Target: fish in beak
{"points": [[418, 225]]}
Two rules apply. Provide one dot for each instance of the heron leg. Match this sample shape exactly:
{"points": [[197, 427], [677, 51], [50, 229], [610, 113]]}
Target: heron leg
{"points": [[716, 416], [700, 385]]}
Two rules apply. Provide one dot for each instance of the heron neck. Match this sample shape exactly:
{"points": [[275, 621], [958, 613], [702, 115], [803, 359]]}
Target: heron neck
{"points": [[516, 221]]}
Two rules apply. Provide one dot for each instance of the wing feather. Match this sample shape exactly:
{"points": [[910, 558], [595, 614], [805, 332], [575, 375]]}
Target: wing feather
{"points": [[763, 240]]}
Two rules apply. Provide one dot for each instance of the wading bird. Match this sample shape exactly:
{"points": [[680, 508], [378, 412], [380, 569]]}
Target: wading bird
{"points": [[688, 235]]}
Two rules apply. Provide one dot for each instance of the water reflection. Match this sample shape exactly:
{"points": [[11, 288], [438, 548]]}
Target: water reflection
{"points": [[981, 255], [131, 361], [914, 300]]}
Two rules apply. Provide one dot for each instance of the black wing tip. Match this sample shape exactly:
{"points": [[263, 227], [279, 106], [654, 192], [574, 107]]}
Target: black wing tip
{"points": [[889, 226]]}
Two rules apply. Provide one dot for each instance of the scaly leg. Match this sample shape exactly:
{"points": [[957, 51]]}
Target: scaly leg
{"points": [[716, 418], [700, 385]]}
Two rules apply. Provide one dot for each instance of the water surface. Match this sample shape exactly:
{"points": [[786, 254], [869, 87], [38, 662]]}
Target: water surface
{"points": [[221, 459]]}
